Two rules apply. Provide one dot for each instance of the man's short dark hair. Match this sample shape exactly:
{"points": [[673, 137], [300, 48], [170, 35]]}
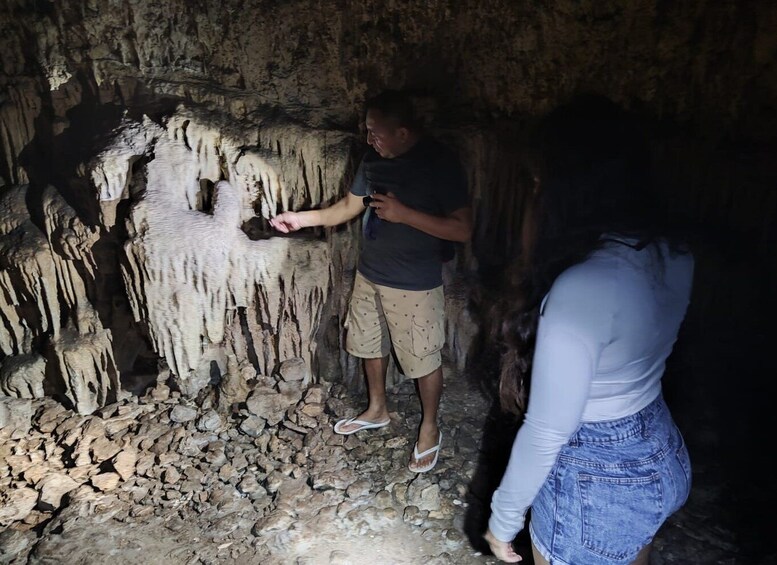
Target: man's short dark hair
{"points": [[397, 106]]}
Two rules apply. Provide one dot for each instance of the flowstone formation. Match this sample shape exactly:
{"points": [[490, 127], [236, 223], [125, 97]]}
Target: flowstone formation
{"points": [[195, 278], [179, 207], [183, 200]]}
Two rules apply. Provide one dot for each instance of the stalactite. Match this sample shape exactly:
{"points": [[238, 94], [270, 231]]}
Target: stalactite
{"points": [[110, 169], [18, 112], [29, 305], [71, 244]]}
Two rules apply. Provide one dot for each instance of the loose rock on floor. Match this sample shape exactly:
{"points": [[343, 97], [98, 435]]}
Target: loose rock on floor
{"points": [[159, 479]]}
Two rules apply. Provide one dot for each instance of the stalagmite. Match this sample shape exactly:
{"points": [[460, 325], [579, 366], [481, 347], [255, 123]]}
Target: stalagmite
{"points": [[86, 366], [23, 376], [83, 350]]}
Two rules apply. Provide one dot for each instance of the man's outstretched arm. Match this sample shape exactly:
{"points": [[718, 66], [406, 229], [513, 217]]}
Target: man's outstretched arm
{"points": [[343, 210]]}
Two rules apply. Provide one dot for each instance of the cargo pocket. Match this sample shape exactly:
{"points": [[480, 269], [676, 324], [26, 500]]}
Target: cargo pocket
{"points": [[427, 337], [348, 332], [348, 315], [620, 514]]}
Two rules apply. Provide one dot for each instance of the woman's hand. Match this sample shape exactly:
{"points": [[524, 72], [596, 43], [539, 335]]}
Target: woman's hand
{"points": [[502, 550]]}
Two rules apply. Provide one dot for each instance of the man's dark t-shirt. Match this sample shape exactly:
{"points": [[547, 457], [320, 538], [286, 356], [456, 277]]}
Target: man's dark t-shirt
{"points": [[428, 178]]}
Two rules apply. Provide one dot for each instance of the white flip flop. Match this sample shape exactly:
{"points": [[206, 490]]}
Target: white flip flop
{"points": [[417, 456], [363, 425]]}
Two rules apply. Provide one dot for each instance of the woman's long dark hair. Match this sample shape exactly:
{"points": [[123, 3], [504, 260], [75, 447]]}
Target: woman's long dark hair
{"points": [[592, 166]]}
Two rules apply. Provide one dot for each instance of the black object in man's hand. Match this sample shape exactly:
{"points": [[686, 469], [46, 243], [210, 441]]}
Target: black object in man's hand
{"points": [[376, 190]]}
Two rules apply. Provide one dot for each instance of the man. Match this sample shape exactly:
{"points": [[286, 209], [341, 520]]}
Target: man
{"points": [[417, 205]]}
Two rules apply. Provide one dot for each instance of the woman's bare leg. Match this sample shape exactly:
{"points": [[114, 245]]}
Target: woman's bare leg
{"points": [[538, 558], [643, 558]]}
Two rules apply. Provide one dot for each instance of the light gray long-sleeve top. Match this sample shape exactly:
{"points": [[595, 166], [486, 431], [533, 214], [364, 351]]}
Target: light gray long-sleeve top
{"points": [[606, 329]]}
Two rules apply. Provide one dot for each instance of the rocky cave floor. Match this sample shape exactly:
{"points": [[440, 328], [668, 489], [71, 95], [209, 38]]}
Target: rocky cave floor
{"points": [[156, 478]]}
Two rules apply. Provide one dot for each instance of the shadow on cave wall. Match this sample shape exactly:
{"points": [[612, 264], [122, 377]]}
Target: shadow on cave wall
{"points": [[714, 384]]}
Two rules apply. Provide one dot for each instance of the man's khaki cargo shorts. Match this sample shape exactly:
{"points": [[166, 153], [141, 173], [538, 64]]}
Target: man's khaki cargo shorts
{"points": [[413, 321]]}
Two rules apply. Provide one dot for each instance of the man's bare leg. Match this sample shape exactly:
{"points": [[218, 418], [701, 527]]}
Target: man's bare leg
{"points": [[375, 369], [429, 391]]}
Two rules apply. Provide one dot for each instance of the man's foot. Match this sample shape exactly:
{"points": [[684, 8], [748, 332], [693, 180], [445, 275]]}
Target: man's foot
{"points": [[367, 420], [426, 450]]}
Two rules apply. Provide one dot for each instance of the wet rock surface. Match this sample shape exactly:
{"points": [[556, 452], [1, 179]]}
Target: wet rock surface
{"points": [[147, 480]]}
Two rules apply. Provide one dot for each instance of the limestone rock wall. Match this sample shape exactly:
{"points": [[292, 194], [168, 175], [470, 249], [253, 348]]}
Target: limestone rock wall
{"points": [[692, 59]]}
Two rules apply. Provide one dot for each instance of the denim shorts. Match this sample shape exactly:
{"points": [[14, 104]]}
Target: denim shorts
{"points": [[612, 487]]}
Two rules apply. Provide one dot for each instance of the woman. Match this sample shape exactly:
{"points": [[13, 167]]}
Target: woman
{"points": [[602, 294]]}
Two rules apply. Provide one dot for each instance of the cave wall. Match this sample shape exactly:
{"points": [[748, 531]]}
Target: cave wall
{"points": [[282, 82], [702, 60]]}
